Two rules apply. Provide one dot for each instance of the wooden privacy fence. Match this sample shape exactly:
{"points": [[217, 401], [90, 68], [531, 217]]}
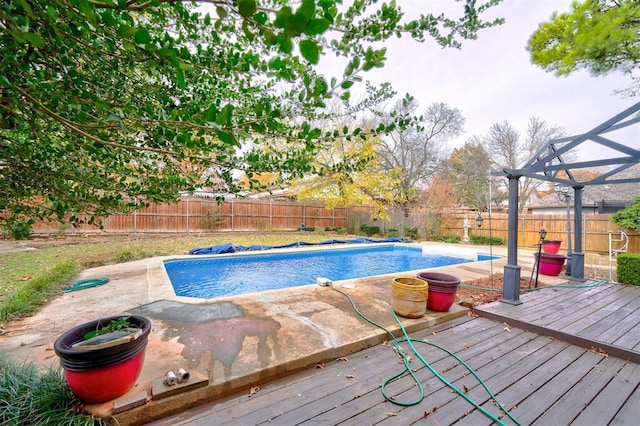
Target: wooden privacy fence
{"points": [[596, 229], [197, 215]]}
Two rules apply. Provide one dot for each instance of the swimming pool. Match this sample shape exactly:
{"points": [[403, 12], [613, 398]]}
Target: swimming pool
{"points": [[233, 275]]}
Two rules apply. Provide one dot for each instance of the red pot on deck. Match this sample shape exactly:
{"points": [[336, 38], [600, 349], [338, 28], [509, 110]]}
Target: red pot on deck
{"points": [[442, 290], [550, 264]]}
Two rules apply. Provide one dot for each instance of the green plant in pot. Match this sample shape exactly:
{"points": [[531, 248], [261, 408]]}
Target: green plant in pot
{"points": [[102, 359]]}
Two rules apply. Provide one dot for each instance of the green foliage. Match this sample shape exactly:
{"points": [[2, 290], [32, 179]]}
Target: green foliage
{"points": [[117, 324], [452, 239], [107, 106], [597, 35], [411, 232], [489, 241], [31, 397], [393, 232], [466, 170], [18, 228], [370, 230], [629, 217], [628, 268]]}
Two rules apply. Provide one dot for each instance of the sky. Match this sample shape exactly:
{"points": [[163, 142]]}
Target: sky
{"points": [[491, 79]]}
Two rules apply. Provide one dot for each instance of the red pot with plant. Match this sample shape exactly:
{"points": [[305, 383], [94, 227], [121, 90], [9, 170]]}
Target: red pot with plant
{"points": [[102, 359]]}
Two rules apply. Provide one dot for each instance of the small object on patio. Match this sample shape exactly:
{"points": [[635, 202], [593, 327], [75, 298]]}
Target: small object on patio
{"points": [[170, 378], [323, 282], [183, 375]]}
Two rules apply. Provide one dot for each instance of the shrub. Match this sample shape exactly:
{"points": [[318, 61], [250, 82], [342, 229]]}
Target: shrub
{"points": [[370, 230], [628, 270], [411, 232], [481, 239], [373, 230], [453, 239], [393, 232], [18, 229], [629, 217]]}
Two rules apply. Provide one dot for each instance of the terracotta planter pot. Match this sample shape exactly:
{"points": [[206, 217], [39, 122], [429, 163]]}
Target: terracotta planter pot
{"points": [[100, 375], [550, 264], [408, 297]]}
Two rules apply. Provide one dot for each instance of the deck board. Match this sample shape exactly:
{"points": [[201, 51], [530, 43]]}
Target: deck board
{"points": [[514, 349]]}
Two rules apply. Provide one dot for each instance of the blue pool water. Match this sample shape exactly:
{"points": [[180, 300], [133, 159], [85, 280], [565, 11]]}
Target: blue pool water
{"points": [[227, 276]]}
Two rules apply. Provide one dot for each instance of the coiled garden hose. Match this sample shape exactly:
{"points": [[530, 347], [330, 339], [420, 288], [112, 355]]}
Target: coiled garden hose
{"points": [[408, 370], [85, 283]]}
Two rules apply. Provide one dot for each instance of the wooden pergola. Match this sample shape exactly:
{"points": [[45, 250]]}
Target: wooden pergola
{"points": [[547, 164]]}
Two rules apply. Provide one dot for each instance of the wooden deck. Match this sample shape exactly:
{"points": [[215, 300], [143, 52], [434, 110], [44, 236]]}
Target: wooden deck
{"points": [[541, 378]]}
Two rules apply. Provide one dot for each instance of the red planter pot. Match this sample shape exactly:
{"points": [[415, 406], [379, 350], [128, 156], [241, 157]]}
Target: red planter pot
{"points": [[551, 246], [100, 375], [440, 301], [550, 264], [442, 290]]}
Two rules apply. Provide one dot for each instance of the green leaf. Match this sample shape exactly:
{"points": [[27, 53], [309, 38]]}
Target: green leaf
{"points": [[127, 31], [27, 8], [317, 26], [107, 18], [275, 63], [226, 137], [142, 36], [185, 66], [86, 9], [247, 8], [224, 118], [346, 84], [181, 79], [34, 39], [222, 12], [307, 8], [286, 45], [261, 18], [309, 51]]}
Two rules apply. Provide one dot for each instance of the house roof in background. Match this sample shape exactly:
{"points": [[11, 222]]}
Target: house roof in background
{"points": [[591, 195]]}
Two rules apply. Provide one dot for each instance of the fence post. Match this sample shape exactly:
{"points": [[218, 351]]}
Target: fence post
{"points": [[135, 218], [270, 214], [187, 215], [232, 216]]}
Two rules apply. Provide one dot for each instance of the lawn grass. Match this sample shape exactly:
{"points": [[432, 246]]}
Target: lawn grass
{"points": [[30, 278]]}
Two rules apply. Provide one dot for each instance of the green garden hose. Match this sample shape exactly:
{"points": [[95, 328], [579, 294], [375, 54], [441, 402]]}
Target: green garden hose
{"points": [[408, 370], [85, 283]]}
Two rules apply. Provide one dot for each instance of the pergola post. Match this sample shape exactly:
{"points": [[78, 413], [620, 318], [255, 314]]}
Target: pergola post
{"points": [[577, 257], [511, 283]]}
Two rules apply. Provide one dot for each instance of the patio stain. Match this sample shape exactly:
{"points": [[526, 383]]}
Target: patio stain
{"points": [[217, 332]]}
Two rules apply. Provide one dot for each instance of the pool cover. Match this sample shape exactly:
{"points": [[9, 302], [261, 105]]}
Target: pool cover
{"points": [[230, 248]]}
